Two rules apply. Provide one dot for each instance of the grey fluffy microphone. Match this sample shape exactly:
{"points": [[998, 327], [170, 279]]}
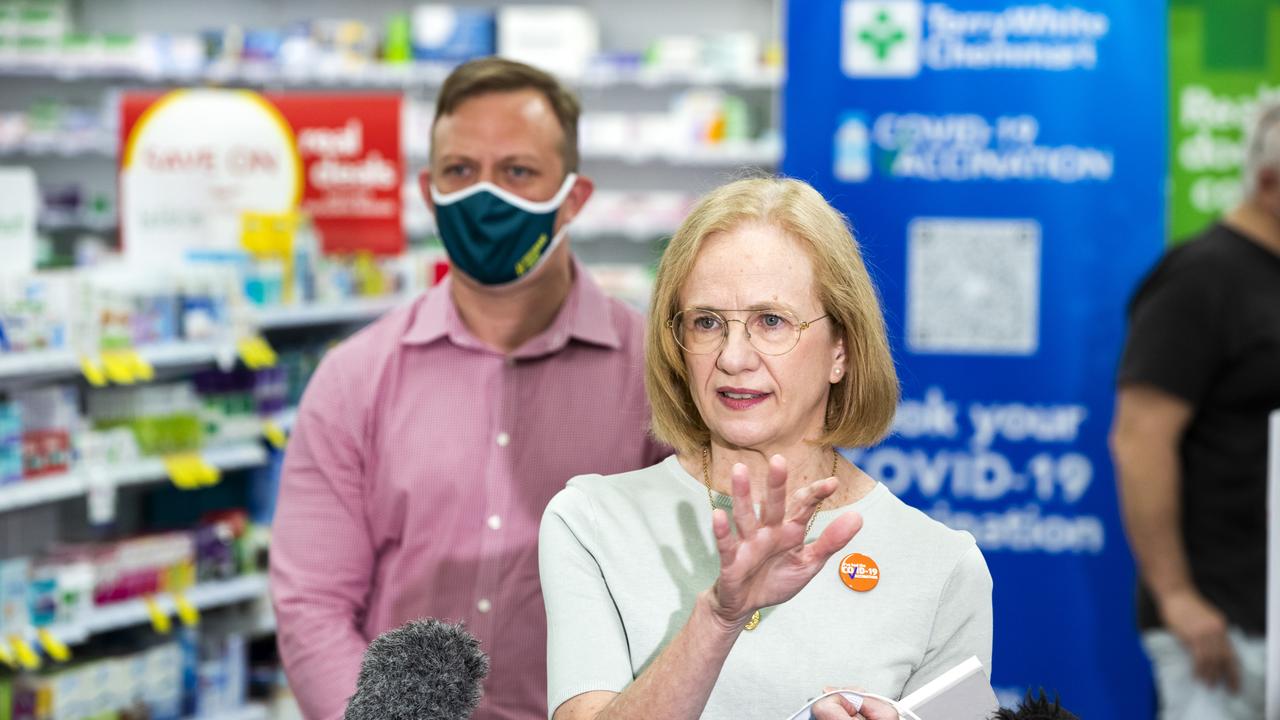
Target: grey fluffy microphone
{"points": [[426, 670]]}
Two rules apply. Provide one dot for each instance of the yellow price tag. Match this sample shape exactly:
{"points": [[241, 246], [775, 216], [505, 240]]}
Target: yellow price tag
{"points": [[159, 619], [141, 368], [184, 470], [119, 367], [54, 647], [274, 434], [6, 656], [28, 658], [187, 612], [207, 474], [256, 353], [93, 372]]}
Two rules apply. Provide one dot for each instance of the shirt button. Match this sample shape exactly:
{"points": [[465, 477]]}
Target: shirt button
{"points": [[511, 362], [484, 605], [503, 439], [495, 522]]}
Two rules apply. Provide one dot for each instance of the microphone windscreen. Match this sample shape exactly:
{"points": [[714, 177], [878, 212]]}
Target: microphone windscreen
{"points": [[425, 670]]}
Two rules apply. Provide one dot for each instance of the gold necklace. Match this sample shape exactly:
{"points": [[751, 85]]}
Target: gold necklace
{"points": [[754, 622]]}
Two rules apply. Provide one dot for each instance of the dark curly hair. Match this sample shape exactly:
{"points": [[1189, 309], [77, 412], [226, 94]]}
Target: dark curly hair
{"points": [[1037, 708]]}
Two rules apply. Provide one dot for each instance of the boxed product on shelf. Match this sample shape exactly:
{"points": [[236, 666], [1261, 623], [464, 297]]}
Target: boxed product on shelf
{"points": [[134, 567], [49, 416], [164, 418], [35, 312], [10, 442], [143, 684], [444, 32]]}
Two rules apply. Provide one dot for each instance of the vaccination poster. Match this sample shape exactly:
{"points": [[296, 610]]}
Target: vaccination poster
{"points": [[1224, 59], [1003, 165]]}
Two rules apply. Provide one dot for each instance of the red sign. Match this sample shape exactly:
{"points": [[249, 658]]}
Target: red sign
{"points": [[352, 166]]}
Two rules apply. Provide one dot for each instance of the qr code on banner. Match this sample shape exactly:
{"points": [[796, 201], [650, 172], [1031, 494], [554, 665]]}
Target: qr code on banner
{"points": [[973, 286]]}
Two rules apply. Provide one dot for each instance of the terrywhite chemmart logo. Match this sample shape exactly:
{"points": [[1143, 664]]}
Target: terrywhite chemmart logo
{"points": [[896, 38], [882, 38]]}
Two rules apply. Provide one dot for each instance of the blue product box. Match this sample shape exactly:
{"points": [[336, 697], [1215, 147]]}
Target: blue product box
{"points": [[444, 33]]}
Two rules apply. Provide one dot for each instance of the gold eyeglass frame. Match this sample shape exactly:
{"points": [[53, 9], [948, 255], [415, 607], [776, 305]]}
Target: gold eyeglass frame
{"points": [[801, 326]]}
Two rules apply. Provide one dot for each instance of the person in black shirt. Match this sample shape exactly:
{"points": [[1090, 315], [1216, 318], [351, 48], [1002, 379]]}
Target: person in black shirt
{"points": [[1198, 379]]}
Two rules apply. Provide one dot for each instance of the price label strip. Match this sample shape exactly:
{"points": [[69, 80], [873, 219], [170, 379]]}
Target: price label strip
{"points": [[119, 366], [160, 621], [187, 612], [53, 647], [256, 353], [274, 434], [28, 658], [93, 372]]}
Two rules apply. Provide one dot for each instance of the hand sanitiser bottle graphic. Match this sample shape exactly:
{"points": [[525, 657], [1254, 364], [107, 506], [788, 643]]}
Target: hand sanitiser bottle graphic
{"points": [[852, 156]]}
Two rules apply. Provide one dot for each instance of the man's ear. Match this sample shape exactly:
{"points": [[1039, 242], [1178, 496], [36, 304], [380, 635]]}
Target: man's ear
{"points": [[579, 194], [424, 186]]}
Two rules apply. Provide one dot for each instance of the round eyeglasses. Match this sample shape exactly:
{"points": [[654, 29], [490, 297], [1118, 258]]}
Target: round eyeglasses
{"points": [[699, 331]]}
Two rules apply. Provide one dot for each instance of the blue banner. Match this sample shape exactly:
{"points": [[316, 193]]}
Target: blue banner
{"points": [[1003, 166]]}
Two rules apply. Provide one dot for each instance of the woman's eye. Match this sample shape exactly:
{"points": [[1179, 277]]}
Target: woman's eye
{"points": [[706, 322], [771, 321]]}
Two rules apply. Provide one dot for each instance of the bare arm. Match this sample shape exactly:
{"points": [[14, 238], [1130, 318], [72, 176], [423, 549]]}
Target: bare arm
{"points": [[1148, 427]]}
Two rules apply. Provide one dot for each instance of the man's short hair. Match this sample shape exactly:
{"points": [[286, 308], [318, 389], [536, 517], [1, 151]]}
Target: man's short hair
{"points": [[495, 75], [1262, 145]]}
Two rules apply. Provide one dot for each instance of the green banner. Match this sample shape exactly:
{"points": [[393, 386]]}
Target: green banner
{"points": [[1224, 58]]}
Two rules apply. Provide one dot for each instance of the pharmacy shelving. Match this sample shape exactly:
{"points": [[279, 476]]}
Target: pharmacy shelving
{"points": [[77, 482], [132, 613], [758, 152], [53, 364], [368, 75], [252, 711], [356, 310]]}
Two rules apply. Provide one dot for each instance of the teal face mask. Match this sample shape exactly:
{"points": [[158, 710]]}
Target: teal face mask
{"points": [[494, 236]]}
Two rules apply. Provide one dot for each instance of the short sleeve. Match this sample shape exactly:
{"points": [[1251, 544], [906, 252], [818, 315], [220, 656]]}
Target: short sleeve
{"points": [[962, 623], [586, 642], [1175, 335]]}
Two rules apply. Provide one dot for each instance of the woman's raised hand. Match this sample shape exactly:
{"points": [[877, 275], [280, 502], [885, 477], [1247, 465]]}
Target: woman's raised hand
{"points": [[767, 561]]}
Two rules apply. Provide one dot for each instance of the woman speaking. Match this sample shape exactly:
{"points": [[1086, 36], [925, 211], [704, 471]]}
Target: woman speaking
{"points": [[755, 567]]}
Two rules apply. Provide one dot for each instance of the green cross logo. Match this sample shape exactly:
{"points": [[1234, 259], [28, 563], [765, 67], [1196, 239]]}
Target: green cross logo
{"points": [[883, 35]]}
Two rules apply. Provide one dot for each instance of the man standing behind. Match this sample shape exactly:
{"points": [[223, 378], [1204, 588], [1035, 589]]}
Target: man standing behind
{"points": [[1199, 376], [428, 444]]}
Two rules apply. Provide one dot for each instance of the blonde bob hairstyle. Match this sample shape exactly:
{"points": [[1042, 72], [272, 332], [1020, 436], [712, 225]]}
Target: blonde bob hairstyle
{"points": [[861, 405]]}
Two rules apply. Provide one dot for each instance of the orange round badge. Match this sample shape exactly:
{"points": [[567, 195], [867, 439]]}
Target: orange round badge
{"points": [[859, 572]]}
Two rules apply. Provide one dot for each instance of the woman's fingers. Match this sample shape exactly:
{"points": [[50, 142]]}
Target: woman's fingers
{"points": [[744, 511], [835, 707], [725, 542], [775, 496], [873, 709], [804, 502], [836, 535]]}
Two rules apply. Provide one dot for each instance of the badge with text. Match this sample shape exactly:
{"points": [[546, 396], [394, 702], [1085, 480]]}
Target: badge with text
{"points": [[859, 572]]}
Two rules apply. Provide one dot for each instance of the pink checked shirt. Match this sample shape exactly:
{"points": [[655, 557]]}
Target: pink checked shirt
{"points": [[416, 478]]}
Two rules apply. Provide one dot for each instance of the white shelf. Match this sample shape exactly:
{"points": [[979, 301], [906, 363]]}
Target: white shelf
{"points": [[75, 483], [356, 310], [374, 75], [744, 153], [40, 364], [131, 613], [252, 711]]}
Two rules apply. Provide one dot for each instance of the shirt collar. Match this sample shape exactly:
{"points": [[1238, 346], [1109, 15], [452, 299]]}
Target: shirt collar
{"points": [[586, 315]]}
